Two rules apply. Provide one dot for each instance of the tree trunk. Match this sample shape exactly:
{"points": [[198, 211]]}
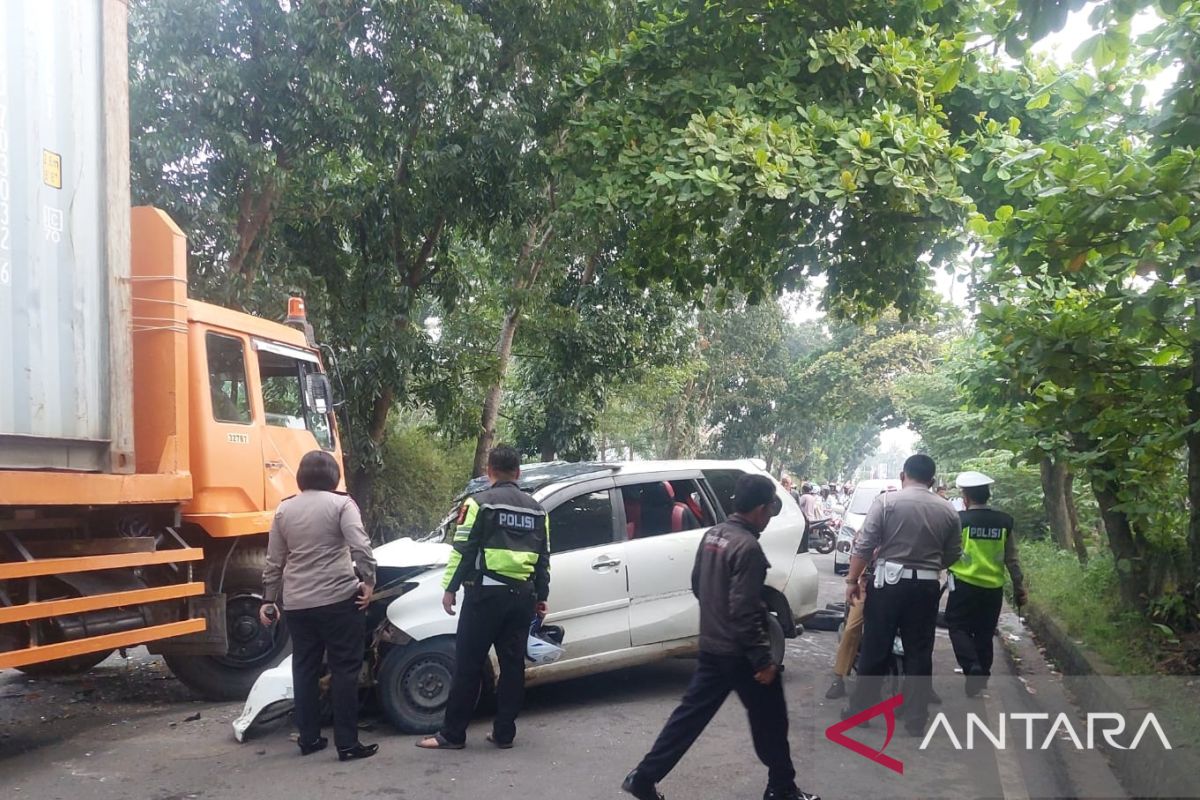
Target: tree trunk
{"points": [[361, 478], [1192, 574], [1076, 533], [1055, 501], [529, 264], [1130, 561], [491, 403]]}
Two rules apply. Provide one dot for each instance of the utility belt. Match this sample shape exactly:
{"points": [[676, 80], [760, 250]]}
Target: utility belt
{"points": [[490, 580], [889, 573]]}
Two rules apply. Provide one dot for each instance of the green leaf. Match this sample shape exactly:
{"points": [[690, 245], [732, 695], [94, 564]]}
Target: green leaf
{"points": [[949, 77], [1004, 213], [1040, 100]]}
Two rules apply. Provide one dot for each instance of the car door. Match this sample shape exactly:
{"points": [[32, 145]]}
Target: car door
{"points": [[662, 607], [589, 595]]}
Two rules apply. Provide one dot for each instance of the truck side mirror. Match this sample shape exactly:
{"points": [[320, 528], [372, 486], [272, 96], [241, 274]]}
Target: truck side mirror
{"points": [[320, 390]]}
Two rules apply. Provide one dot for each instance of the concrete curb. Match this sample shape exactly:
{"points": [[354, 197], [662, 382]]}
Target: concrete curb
{"points": [[1093, 683]]}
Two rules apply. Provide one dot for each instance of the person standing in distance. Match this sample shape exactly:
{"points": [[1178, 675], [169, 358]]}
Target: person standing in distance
{"points": [[501, 558], [315, 546], [977, 582], [735, 654], [911, 535]]}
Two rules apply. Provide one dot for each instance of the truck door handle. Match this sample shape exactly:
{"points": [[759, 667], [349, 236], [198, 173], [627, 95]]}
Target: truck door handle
{"points": [[604, 562], [273, 465]]}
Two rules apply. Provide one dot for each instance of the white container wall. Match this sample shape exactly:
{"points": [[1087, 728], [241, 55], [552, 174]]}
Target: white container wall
{"points": [[55, 371]]}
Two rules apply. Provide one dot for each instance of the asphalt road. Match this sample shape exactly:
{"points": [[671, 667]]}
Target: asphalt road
{"points": [[130, 730]]}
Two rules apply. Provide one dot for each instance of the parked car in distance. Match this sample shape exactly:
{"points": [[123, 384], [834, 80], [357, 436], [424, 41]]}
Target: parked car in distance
{"points": [[856, 511], [623, 538]]}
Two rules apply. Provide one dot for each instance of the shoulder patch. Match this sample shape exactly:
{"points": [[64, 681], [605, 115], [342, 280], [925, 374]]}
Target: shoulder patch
{"points": [[462, 514]]}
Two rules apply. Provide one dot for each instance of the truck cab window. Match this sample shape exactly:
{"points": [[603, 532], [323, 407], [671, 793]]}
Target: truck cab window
{"points": [[227, 379], [285, 397]]}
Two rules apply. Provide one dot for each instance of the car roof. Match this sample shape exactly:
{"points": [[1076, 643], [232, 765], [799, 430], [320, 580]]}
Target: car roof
{"points": [[877, 483], [535, 477]]}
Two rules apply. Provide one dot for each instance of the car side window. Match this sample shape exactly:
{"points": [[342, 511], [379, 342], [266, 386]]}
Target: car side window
{"points": [[583, 521], [723, 482], [655, 508]]}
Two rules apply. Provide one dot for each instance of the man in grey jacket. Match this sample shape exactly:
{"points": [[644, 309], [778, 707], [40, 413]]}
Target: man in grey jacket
{"points": [[735, 653]]}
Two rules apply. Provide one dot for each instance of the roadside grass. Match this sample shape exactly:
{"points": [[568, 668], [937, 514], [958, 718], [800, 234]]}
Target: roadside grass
{"points": [[1086, 600]]}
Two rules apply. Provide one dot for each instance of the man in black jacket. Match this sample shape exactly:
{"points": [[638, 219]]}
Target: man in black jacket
{"points": [[735, 653]]}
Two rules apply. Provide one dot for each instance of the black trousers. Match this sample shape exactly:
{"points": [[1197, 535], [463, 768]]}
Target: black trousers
{"points": [[909, 608], [971, 615], [491, 616], [715, 677], [334, 633]]}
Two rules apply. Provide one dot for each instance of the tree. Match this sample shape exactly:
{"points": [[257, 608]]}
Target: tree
{"points": [[758, 145]]}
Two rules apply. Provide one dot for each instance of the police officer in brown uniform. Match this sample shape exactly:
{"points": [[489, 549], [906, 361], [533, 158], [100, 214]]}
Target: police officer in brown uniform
{"points": [[912, 535]]}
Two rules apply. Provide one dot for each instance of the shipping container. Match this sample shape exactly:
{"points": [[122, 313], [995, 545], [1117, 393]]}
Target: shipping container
{"points": [[64, 258]]}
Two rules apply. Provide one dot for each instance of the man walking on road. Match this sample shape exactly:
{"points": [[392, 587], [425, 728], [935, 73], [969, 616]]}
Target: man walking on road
{"points": [[735, 655], [911, 535], [977, 582], [502, 557]]}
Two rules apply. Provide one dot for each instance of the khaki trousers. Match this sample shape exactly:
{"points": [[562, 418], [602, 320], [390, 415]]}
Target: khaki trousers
{"points": [[851, 638]]}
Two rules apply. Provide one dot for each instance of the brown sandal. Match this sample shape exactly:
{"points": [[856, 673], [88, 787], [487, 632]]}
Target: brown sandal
{"points": [[438, 742]]}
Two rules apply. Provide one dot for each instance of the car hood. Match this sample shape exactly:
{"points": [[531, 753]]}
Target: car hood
{"points": [[411, 553], [853, 521]]}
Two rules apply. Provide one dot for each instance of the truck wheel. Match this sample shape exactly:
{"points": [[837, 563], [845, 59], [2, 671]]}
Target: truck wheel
{"points": [[252, 647], [73, 665], [414, 684], [775, 633]]}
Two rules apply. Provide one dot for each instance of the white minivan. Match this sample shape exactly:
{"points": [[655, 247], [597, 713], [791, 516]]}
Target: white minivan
{"points": [[852, 520], [623, 539]]}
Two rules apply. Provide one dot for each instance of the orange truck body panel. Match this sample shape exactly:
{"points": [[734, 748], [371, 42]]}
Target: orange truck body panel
{"points": [[225, 478]]}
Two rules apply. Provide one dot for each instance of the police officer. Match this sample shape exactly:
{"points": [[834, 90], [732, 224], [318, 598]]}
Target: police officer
{"points": [[977, 582], [912, 535], [735, 653], [501, 556]]}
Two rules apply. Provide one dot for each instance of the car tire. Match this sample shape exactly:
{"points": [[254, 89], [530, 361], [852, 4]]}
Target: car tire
{"points": [[251, 649], [777, 639], [414, 684]]}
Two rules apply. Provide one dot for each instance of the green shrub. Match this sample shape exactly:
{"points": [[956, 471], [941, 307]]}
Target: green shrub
{"points": [[421, 475], [1087, 600]]}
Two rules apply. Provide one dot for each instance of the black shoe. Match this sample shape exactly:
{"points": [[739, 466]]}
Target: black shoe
{"points": [[976, 681], [847, 713], [788, 793], [640, 787], [836, 689], [308, 749], [359, 750]]}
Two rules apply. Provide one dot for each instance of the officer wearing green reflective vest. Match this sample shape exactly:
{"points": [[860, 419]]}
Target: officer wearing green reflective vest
{"points": [[501, 559], [977, 579]]}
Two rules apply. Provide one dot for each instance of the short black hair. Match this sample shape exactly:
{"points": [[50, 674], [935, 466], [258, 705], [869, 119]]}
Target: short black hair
{"points": [[977, 494], [921, 468], [318, 470], [504, 459], [752, 491]]}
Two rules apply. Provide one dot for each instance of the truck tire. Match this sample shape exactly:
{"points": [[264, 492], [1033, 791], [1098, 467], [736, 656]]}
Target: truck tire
{"points": [[73, 665], [414, 684], [252, 648]]}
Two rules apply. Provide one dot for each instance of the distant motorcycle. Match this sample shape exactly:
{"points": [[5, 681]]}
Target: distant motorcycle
{"points": [[822, 536]]}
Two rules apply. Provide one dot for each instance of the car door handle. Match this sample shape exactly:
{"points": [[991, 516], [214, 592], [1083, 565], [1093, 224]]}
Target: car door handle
{"points": [[604, 562], [273, 465]]}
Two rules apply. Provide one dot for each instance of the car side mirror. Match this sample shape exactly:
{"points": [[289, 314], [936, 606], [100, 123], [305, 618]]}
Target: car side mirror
{"points": [[321, 392]]}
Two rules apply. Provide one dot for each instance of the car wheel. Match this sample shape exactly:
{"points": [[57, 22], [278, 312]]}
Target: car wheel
{"points": [[775, 634], [414, 684]]}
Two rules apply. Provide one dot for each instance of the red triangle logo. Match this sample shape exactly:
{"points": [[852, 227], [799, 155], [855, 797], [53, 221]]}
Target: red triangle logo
{"points": [[836, 733]]}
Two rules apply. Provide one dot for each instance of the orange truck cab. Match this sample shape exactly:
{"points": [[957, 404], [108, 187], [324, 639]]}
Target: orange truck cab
{"points": [[171, 553]]}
